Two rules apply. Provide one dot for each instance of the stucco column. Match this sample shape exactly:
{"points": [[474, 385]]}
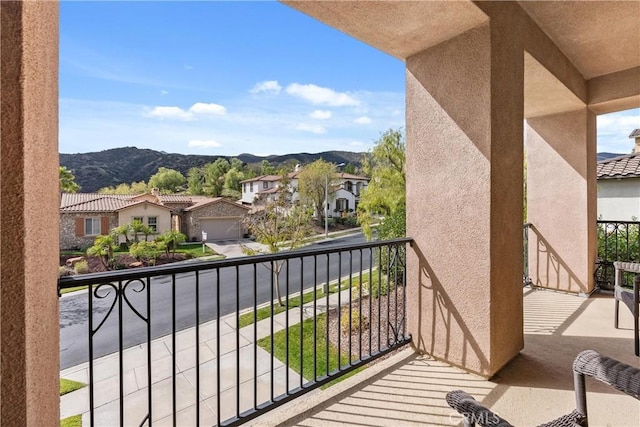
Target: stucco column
{"points": [[29, 197], [561, 200], [464, 198]]}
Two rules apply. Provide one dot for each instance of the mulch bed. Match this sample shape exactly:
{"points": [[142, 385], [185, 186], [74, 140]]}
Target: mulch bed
{"points": [[387, 318], [96, 266]]}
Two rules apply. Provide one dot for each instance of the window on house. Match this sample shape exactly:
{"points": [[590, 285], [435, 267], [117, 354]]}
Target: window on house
{"points": [[265, 185], [91, 226], [342, 204], [348, 186], [152, 222], [138, 219], [251, 187]]}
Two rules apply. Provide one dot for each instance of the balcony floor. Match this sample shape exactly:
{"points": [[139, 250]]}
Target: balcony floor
{"points": [[537, 386]]}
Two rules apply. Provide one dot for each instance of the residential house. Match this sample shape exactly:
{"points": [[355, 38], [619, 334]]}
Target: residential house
{"points": [[619, 185], [344, 190], [83, 216]]}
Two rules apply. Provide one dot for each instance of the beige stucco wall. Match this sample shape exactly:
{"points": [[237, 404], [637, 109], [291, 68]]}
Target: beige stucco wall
{"points": [[126, 215], [68, 238], [464, 199], [561, 200], [29, 195], [214, 210]]}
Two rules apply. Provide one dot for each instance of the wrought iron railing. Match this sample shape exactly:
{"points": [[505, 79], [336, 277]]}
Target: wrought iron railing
{"points": [[617, 241], [172, 323], [526, 279]]}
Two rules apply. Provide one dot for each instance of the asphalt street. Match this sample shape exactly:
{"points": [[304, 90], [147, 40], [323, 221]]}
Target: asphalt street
{"points": [[174, 304]]}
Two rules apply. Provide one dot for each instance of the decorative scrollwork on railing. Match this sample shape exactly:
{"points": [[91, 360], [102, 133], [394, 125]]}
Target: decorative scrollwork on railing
{"points": [[132, 284], [102, 291]]}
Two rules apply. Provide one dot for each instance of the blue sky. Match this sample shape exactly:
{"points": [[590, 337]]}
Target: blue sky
{"points": [[224, 78]]}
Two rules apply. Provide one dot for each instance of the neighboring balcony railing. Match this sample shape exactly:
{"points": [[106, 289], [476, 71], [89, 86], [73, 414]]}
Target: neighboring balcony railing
{"points": [[342, 307], [617, 241], [526, 279]]}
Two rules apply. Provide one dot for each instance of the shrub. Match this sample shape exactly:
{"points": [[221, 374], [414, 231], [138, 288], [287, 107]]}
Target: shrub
{"points": [[103, 247], [147, 251], [63, 271], [355, 321], [81, 267]]}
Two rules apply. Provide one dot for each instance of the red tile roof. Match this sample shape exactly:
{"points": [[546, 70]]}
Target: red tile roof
{"points": [[620, 167], [96, 202]]}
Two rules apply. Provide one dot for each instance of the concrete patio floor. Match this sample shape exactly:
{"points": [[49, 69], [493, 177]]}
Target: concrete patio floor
{"points": [[537, 386]]}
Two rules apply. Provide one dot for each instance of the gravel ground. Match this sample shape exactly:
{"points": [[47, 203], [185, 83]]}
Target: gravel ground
{"points": [[386, 317]]}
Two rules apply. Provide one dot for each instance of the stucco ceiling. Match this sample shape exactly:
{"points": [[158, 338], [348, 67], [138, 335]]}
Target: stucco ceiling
{"points": [[597, 37], [399, 28]]}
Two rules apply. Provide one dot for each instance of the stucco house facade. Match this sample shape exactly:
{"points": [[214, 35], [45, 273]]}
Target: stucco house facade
{"points": [[83, 216], [619, 185], [344, 190]]}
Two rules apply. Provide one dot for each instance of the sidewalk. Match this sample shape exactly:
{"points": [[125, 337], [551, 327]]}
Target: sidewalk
{"points": [[233, 248], [135, 380]]}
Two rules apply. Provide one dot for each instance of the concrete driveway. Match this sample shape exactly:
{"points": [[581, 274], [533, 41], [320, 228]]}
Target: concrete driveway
{"points": [[233, 248]]}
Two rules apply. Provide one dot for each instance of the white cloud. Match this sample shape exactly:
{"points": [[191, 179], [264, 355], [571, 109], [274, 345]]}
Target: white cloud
{"points": [[170, 113], [320, 114], [188, 67], [202, 108], [317, 129], [364, 120], [199, 108], [614, 130], [199, 143], [271, 86], [356, 144], [321, 95], [164, 92]]}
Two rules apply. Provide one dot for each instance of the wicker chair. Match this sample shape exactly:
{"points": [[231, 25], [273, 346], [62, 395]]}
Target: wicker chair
{"points": [[630, 298], [618, 375]]}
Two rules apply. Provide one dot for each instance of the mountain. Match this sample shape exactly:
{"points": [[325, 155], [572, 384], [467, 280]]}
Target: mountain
{"points": [[605, 156], [128, 164]]}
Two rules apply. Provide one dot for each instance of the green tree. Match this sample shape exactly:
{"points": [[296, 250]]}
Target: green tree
{"points": [[266, 168], [67, 180], [312, 183], [281, 225], [171, 240], [386, 193], [133, 188], [137, 228], [232, 188], [167, 180], [237, 164], [123, 230], [104, 247], [214, 174], [195, 178], [350, 168]]}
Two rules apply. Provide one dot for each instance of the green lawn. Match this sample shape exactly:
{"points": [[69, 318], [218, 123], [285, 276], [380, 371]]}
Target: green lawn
{"points": [[323, 365], [67, 386], [195, 249], [72, 421], [246, 319]]}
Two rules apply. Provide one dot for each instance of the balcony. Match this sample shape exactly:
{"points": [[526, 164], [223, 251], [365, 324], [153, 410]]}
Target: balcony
{"points": [[535, 387], [406, 388], [475, 72], [193, 344]]}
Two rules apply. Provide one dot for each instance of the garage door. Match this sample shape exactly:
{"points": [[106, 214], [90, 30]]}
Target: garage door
{"points": [[221, 228]]}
